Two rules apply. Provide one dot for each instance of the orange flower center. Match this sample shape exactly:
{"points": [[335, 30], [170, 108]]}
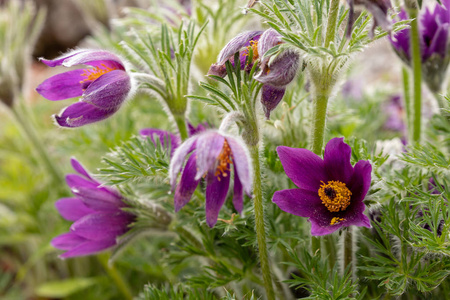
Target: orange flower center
{"points": [[254, 47], [94, 73], [336, 220], [224, 161], [335, 196]]}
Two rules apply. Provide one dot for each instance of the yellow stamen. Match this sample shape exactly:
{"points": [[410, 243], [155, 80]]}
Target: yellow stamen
{"points": [[335, 195], [254, 47], [336, 220], [224, 161], [94, 73]]}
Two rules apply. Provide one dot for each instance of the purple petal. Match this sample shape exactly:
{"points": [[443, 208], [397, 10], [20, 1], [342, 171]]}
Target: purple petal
{"points": [[360, 182], [216, 194], [81, 113], [75, 181], [236, 44], [197, 129], [281, 70], [102, 226], [238, 193], [78, 167], [59, 60], [209, 146], [337, 160], [323, 227], [301, 203], [303, 167], [72, 209], [178, 159], [241, 163], [187, 184], [108, 91], [270, 98], [88, 248], [94, 58], [67, 241], [439, 42], [218, 70], [62, 86], [269, 39], [163, 137]]}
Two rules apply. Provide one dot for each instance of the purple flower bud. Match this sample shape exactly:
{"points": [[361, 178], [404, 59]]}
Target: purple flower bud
{"points": [[379, 10], [102, 88]]}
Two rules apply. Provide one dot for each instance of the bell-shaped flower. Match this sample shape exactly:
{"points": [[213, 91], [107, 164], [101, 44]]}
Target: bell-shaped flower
{"points": [[330, 190], [96, 211], [103, 87], [379, 10], [210, 155], [434, 43]]}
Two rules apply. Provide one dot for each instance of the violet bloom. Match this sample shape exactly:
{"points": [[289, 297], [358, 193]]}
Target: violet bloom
{"points": [[102, 88], [274, 73], [211, 156], [395, 113], [331, 191], [379, 10], [434, 40], [97, 214]]}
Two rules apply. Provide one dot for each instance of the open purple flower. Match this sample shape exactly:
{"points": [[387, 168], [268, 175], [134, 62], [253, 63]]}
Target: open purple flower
{"points": [[379, 10], [97, 214], [434, 40], [331, 191], [275, 73], [210, 156], [102, 88]]}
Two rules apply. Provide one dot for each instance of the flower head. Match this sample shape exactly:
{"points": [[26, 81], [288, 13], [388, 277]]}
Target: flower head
{"points": [[434, 40], [103, 87], [97, 214], [211, 155], [379, 10], [274, 72], [331, 191]]}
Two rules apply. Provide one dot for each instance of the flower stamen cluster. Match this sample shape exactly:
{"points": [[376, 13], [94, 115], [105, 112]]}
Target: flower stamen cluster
{"points": [[335, 195], [94, 73], [224, 161], [336, 220]]}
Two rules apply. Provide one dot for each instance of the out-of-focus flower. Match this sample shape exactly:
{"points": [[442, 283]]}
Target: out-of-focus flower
{"points": [[96, 211], [331, 191], [211, 155], [379, 10], [275, 72], [395, 114], [103, 88], [434, 40]]}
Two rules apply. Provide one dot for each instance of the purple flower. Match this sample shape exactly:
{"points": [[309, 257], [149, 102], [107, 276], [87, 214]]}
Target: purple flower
{"points": [[275, 73], [97, 214], [434, 32], [331, 191], [395, 112], [211, 155], [102, 88], [379, 10]]}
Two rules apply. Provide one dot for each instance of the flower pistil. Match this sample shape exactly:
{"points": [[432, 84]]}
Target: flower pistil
{"points": [[335, 196]]}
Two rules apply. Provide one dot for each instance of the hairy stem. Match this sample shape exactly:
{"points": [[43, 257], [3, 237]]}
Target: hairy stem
{"points": [[116, 277], [259, 222], [417, 74], [318, 125], [24, 123], [347, 253], [331, 24], [180, 120], [407, 98]]}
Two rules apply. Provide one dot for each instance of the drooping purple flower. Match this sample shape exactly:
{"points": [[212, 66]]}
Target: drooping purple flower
{"points": [[434, 40], [103, 87], [379, 10], [96, 211], [274, 72], [210, 154], [330, 190]]}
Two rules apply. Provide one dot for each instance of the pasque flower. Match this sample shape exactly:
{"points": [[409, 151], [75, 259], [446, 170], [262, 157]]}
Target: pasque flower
{"points": [[434, 40], [103, 87], [379, 10], [97, 214], [330, 190], [211, 155], [275, 73]]}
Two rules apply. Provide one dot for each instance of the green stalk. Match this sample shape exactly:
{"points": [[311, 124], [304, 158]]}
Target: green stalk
{"points": [[31, 134], [406, 96], [416, 61], [121, 284], [259, 222], [180, 120], [318, 125], [347, 253], [331, 24]]}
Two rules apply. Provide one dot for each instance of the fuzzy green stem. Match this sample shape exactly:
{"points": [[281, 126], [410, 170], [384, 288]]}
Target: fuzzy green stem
{"points": [[28, 130], [347, 253], [416, 61], [181, 124], [259, 222], [331, 24], [318, 125], [407, 98], [121, 284], [331, 249]]}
